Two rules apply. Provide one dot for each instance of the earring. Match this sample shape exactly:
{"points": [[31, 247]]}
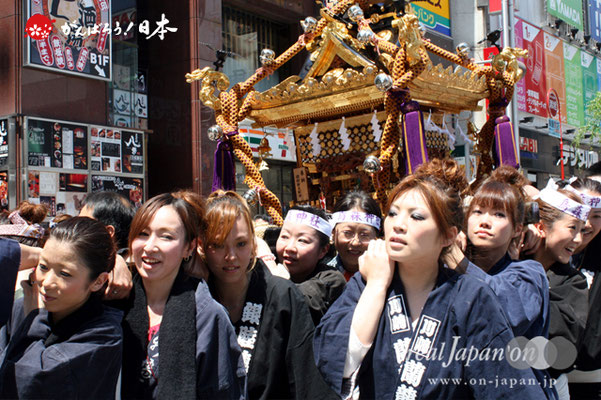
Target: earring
{"points": [[186, 259]]}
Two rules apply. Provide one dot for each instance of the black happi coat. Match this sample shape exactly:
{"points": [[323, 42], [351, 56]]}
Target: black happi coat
{"points": [[321, 289], [281, 365]]}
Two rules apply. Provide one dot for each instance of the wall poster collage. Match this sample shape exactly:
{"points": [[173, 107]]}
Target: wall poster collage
{"points": [[63, 158]]}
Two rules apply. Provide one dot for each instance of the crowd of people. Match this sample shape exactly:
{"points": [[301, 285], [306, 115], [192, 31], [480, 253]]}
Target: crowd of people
{"points": [[188, 297]]}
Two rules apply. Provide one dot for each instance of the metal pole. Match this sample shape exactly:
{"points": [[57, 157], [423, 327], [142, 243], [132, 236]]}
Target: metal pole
{"points": [[509, 41]]}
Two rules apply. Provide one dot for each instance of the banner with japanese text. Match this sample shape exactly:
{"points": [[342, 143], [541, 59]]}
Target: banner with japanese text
{"points": [[594, 18], [574, 88], [532, 88], [569, 11], [72, 37], [589, 78], [598, 74], [435, 16], [554, 70]]}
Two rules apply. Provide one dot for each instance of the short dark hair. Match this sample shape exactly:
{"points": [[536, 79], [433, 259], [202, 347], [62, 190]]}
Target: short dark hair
{"points": [[112, 208], [91, 241]]}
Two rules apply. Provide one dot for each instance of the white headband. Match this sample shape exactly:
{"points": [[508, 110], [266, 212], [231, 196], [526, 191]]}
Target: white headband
{"points": [[312, 220], [591, 201], [356, 216], [552, 197]]}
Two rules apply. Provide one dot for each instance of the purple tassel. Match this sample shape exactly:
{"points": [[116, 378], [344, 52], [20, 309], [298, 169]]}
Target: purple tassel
{"points": [[414, 136], [505, 151], [224, 176]]}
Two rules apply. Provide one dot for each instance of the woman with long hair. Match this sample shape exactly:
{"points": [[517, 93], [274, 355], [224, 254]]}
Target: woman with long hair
{"points": [[302, 247], [394, 331], [271, 319], [178, 341], [357, 220], [59, 330]]}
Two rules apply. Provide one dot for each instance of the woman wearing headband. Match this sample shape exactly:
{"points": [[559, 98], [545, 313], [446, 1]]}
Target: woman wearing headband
{"points": [[585, 380], [563, 216], [271, 319], [395, 330], [357, 220], [303, 243]]}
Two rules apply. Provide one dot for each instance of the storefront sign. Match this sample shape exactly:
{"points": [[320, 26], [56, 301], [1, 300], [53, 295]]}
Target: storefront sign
{"points": [[3, 142], [435, 15], [569, 11], [79, 42], [531, 90], [578, 157], [281, 142], [54, 144], [594, 14], [528, 144]]}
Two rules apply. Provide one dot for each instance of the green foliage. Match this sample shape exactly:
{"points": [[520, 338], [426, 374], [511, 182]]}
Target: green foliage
{"points": [[592, 126]]}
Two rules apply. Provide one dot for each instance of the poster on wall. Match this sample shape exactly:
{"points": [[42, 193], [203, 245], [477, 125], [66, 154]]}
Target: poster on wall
{"points": [[3, 190], [531, 90], [3, 142], [133, 152], [569, 11], [53, 144], [69, 36], [574, 89], [555, 71], [131, 188], [105, 149]]}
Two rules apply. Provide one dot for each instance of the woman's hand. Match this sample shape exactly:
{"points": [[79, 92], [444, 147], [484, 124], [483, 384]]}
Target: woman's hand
{"points": [[374, 264], [120, 281], [31, 295], [454, 257]]}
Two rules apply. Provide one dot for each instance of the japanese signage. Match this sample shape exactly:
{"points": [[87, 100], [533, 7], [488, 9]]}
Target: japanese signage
{"points": [[435, 15], [62, 193], [301, 184], [578, 157], [554, 69], [116, 151], [574, 89], [599, 74], [569, 11], [54, 144], [594, 13], [77, 39], [281, 142], [3, 142], [531, 90], [589, 78], [529, 145], [131, 188]]}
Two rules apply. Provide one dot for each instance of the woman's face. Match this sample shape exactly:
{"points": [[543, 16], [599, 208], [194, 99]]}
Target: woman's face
{"points": [[593, 223], [563, 238], [229, 261], [489, 228], [351, 240], [64, 282], [299, 249], [159, 249], [412, 235]]}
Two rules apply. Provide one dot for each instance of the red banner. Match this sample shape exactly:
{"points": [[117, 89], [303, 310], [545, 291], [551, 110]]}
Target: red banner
{"points": [[531, 90]]}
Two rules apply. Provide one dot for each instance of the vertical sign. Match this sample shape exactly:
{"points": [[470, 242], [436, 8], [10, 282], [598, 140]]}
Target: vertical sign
{"points": [[589, 78], [534, 79], [435, 15], [598, 74], [594, 13], [554, 69], [574, 89], [569, 11]]}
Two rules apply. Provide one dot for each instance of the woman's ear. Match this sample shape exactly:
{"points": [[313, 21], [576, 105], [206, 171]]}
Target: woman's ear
{"points": [[540, 227], [519, 228], [191, 247], [99, 282], [450, 236], [323, 251]]}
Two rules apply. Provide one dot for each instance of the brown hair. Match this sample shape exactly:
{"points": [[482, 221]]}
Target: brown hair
{"points": [[32, 213], [549, 214], [440, 181], [502, 191], [223, 208], [188, 205]]}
